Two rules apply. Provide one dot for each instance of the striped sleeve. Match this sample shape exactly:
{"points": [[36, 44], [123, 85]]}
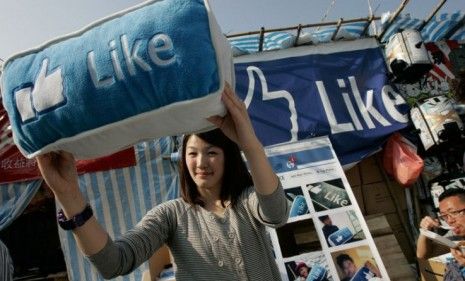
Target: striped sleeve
{"points": [[6, 265], [127, 252], [271, 210]]}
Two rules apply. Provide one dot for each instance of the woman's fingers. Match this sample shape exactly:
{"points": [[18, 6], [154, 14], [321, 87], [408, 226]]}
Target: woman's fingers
{"points": [[216, 120], [232, 101]]}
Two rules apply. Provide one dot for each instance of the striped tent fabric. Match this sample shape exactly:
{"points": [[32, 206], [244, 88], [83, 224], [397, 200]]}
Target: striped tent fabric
{"points": [[6, 264], [283, 40], [440, 25], [436, 29], [271, 41], [6, 135], [459, 35], [120, 198], [346, 31], [401, 23], [14, 198]]}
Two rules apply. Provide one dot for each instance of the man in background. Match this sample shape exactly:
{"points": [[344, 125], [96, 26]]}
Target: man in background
{"points": [[452, 215]]}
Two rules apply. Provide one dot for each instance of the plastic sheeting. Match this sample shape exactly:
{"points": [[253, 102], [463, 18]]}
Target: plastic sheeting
{"points": [[436, 29], [14, 198]]}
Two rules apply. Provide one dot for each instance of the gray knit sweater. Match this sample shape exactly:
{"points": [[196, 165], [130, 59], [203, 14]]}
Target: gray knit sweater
{"points": [[204, 246]]}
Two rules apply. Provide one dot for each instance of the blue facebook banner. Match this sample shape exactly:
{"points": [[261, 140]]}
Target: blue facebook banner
{"points": [[337, 89]]}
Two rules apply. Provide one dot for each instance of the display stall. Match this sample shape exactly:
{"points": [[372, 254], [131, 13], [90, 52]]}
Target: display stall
{"points": [[341, 90]]}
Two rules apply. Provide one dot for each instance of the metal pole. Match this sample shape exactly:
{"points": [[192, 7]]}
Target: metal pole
{"points": [[393, 18], [302, 26], [436, 9]]}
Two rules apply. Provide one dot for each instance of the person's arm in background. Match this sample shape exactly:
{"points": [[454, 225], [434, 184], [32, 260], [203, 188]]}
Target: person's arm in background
{"points": [[425, 247], [59, 172]]}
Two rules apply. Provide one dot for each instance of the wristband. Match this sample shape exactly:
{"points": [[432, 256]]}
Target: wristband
{"points": [[76, 221]]}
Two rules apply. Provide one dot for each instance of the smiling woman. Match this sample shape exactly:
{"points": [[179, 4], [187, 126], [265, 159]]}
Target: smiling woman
{"points": [[216, 231], [205, 163], [212, 164]]}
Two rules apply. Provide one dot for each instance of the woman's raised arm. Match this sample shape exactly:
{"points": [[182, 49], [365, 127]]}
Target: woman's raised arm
{"points": [[59, 172], [237, 126]]}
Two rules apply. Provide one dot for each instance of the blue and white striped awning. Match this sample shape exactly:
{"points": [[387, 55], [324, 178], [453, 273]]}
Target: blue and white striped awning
{"points": [[435, 30], [271, 41]]}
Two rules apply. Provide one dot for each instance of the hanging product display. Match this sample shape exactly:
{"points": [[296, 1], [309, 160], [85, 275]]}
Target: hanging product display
{"points": [[406, 55], [437, 121]]}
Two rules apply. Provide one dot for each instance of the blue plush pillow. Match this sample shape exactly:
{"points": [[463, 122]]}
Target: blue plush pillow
{"points": [[153, 70]]}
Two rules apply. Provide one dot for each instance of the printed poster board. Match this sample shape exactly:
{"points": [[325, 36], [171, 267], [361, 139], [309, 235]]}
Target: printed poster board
{"points": [[325, 224]]}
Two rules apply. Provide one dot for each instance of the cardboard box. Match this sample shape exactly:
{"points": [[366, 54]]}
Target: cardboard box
{"points": [[357, 190], [353, 176], [377, 199], [370, 171], [431, 270], [394, 260], [401, 236]]}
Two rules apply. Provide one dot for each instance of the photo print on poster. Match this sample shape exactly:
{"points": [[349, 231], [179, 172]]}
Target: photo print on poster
{"points": [[312, 266], [341, 228], [298, 204], [356, 264], [310, 168], [328, 195], [298, 237]]}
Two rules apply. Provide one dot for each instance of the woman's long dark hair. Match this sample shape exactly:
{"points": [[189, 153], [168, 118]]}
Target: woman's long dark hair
{"points": [[236, 177]]}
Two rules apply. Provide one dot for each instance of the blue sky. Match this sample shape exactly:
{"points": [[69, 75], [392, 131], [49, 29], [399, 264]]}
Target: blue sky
{"points": [[28, 23]]}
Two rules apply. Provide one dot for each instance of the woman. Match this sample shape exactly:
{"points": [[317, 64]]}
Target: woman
{"points": [[215, 231]]}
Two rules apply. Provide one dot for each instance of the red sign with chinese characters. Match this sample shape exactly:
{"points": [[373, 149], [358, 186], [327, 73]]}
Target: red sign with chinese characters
{"points": [[14, 167]]}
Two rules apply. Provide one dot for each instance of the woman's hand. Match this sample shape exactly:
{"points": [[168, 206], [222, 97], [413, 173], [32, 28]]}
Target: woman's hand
{"points": [[58, 170], [236, 124]]}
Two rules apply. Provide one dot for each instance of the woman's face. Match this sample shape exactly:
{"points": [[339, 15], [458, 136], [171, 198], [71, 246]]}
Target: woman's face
{"points": [[205, 163]]}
